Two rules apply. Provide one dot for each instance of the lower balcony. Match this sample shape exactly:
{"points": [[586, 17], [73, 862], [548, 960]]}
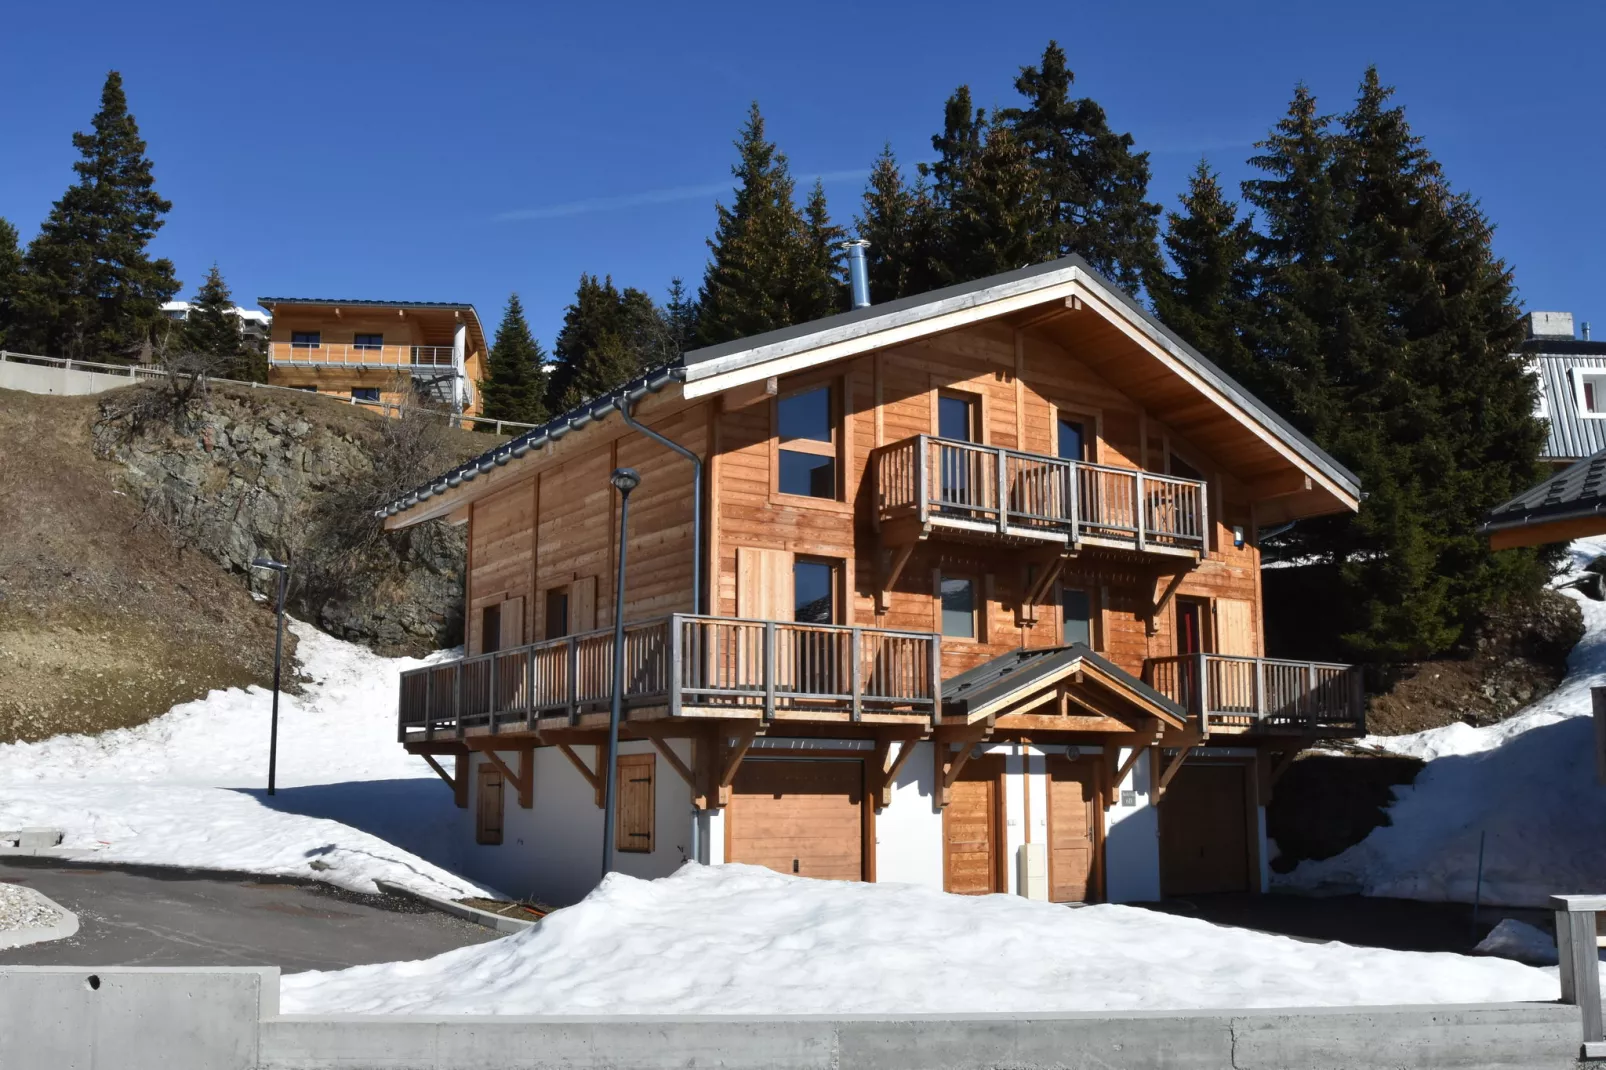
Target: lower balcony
{"points": [[1241, 694], [682, 665]]}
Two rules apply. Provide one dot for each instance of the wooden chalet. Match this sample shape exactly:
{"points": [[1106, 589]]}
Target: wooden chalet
{"points": [[962, 589], [378, 352]]}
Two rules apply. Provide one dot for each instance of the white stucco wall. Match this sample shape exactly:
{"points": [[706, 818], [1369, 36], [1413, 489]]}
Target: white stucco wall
{"points": [[1132, 839], [909, 832], [553, 851]]}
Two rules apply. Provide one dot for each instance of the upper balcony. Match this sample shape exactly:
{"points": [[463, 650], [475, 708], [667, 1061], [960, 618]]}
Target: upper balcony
{"points": [[988, 493], [415, 360], [682, 665], [1224, 692]]}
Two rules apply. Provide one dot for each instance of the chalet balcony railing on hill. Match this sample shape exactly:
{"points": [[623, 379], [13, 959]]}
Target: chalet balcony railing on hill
{"points": [[989, 490], [401, 358], [1262, 693], [686, 665]]}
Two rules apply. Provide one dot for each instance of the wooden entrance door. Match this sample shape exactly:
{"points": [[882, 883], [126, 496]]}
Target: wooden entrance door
{"points": [[1075, 820], [973, 830], [1204, 830], [800, 817], [1191, 617]]}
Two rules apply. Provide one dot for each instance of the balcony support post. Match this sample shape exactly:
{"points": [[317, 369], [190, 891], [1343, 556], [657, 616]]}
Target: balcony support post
{"points": [[923, 480], [429, 704], [457, 698], [1073, 498], [529, 688], [1001, 489], [673, 669], [572, 690], [1310, 696], [769, 670], [936, 679], [1140, 511], [855, 649], [491, 705]]}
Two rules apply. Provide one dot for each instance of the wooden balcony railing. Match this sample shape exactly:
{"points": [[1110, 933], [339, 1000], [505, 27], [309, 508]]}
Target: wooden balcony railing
{"points": [[961, 485], [405, 358], [1229, 691], [690, 665]]}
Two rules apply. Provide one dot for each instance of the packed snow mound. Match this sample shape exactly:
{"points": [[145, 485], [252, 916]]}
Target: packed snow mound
{"points": [[1527, 786], [738, 939], [1513, 939], [185, 789]]}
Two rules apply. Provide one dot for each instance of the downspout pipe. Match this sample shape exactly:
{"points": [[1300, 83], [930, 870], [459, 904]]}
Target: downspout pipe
{"points": [[697, 500]]}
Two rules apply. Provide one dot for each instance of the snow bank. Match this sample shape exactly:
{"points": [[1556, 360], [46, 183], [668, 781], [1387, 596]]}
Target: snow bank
{"points": [[186, 788], [1513, 939], [1527, 785], [739, 939]]}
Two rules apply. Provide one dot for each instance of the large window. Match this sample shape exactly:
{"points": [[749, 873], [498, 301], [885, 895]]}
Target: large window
{"points": [[958, 606], [1077, 617], [959, 417], [305, 339], [813, 591], [368, 341], [806, 428], [1591, 393], [1072, 439]]}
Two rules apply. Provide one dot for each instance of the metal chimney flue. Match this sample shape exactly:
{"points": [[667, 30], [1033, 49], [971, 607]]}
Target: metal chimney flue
{"points": [[858, 272]]}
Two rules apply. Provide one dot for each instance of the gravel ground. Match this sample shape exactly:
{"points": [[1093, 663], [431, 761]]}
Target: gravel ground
{"points": [[24, 908]]}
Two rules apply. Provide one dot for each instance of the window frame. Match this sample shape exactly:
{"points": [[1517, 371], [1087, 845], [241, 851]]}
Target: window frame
{"points": [[1092, 421], [836, 449], [1587, 382], [299, 339], [1090, 593], [367, 347], [625, 840], [978, 605], [490, 628], [368, 393], [975, 401], [560, 593], [836, 569]]}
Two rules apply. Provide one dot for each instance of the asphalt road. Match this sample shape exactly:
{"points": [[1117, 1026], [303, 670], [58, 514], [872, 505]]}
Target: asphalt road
{"points": [[153, 916]]}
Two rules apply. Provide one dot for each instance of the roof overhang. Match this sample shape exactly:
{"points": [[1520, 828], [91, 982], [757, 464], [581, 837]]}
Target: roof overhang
{"points": [[442, 310]]}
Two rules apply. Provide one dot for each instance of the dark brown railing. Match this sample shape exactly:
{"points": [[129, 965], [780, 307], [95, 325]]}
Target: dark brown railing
{"points": [[1028, 495], [685, 662], [1228, 690]]}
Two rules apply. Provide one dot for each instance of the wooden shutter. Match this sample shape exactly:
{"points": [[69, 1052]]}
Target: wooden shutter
{"points": [[512, 623], [1235, 628], [633, 826], [488, 808], [763, 584], [583, 605]]}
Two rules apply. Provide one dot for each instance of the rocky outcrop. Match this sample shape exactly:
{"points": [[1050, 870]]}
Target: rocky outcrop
{"points": [[270, 473]]}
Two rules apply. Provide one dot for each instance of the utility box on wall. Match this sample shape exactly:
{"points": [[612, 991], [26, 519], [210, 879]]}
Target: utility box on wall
{"points": [[1031, 876]]}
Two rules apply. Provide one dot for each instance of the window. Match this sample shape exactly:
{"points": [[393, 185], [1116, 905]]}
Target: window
{"points": [[1077, 617], [365, 393], [305, 339], [806, 428], [368, 341], [1182, 468], [959, 417], [490, 628], [557, 613], [1072, 439], [814, 592], [1591, 394], [488, 806], [958, 595], [633, 820]]}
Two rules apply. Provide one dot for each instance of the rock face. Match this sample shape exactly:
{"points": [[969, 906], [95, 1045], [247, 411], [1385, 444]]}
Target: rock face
{"points": [[270, 474]]}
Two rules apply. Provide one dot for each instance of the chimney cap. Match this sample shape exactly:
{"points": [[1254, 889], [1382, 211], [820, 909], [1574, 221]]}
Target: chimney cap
{"points": [[1549, 324]]}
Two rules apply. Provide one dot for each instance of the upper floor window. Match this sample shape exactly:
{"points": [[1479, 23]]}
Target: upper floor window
{"points": [[1179, 467], [958, 595], [305, 339], [368, 341], [1077, 617], [959, 417], [557, 613], [807, 457], [813, 591], [1591, 393], [1072, 445]]}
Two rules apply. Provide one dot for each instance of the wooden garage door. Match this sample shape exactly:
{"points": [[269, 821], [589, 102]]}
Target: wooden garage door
{"points": [[972, 830], [1074, 817], [798, 817], [1204, 830]]}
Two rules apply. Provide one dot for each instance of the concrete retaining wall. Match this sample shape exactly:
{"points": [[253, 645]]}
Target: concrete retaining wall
{"points": [[226, 1019], [48, 379]]}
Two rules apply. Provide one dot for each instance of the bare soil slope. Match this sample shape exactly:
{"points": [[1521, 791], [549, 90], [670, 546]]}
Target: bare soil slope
{"points": [[104, 621]]}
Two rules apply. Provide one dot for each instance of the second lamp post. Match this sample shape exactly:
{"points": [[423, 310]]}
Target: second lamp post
{"points": [[624, 481]]}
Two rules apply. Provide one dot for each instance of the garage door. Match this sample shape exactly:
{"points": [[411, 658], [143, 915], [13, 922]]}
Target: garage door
{"points": [[1204, 830], [798, 817], [1074, 816]]}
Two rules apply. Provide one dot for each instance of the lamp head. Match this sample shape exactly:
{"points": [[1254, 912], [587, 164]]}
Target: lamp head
{"points": [[268, 562], [625, 480]]}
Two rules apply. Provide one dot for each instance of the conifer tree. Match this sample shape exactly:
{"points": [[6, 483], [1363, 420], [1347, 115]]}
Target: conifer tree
{"points": [[680, 316], [608, 337], [822, 273], [213, 330], [1094, 185], [10, 283], [751, 283], [515, 389], [1208, 296], [92, 289], [995, 214], [902, 225]]}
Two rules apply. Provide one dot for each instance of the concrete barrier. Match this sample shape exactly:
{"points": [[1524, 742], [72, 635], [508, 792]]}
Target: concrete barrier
{"points": [[223, 1019], [52, 379]]}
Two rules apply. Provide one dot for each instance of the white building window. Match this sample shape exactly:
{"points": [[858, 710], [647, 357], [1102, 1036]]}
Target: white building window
{"points": [[1590, 388]]}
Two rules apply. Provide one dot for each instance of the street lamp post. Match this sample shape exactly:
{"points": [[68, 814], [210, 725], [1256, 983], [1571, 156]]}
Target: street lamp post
{"points": [[624, 481], [278, 652]]}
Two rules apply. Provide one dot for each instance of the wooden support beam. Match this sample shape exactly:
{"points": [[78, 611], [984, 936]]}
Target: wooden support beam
{"points": [[890, 755], [739, 397], [1049, 570], [1171, 770], [900, 558], [594, 777], [1279, 485], [459, 783], [946, 763], [731, 754], [663, 747], [1139, 742], [524, 780], [1163, 597]]}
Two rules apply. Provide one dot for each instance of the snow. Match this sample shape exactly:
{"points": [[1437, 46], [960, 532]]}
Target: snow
{"points": [[1527, 786], [1513, 939], [186, 788], [738, 939]]}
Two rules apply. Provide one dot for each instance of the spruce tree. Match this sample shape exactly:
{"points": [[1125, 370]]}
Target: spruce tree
{"points": [[1208, 297], [92, 288], [608, 337], [1094, 185], [822, 285], [680, 316], [213, 330], [751, 283], [902, 224], [995, 213], [10, 284], [515, 388]]}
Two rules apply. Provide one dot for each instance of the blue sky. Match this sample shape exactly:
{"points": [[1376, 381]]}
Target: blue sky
{"points": [[459, 152]]}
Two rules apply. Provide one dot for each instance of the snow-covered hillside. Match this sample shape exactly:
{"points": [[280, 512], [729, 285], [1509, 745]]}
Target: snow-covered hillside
{"points": [[187, 788], [1527, 785], [742, 940]]}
